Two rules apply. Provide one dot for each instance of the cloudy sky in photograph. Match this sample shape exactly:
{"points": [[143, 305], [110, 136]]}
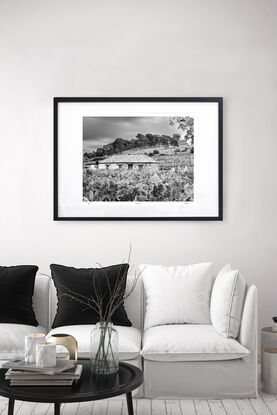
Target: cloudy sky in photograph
{"points": [[98, 131]]}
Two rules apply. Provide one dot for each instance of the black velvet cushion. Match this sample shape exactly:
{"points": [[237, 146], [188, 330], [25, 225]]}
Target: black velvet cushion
{"points": [[16, 292], [87, 282]]}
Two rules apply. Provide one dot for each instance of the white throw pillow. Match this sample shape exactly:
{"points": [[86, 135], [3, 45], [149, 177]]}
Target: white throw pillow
{"points": [[227, 302], [177, 294]]}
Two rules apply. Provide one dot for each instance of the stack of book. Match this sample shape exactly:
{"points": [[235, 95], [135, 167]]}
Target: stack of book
{"points": [[28, 374]]}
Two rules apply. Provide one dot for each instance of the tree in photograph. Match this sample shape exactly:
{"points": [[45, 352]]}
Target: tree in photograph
{"points": [[185, 124]]}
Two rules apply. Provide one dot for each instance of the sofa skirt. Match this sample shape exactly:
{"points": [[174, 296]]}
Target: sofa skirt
{"points": [[200, 380]]}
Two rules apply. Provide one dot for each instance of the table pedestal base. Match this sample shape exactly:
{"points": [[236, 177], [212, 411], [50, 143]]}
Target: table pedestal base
{"points": [[129, 403], [11, 406], [57, 406]]}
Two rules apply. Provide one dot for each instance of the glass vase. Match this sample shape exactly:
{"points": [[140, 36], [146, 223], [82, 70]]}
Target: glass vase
{"points": [[104, 349]]}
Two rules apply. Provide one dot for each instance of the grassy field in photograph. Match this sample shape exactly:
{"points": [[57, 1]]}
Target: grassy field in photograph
{"points": [[172, 181]]}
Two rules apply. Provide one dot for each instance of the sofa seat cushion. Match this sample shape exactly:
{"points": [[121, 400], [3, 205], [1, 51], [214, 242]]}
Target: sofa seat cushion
{"points": [[129, 339], [189, 342], [12, 339]]}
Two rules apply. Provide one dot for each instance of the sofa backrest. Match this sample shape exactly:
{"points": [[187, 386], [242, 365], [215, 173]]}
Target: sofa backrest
{"points": [[45, 304], [41, 299], [133, 304], [249, 320]]}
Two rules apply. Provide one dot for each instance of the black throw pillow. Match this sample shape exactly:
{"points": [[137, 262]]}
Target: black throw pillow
{"points": [[69, 280], [16, 292]]}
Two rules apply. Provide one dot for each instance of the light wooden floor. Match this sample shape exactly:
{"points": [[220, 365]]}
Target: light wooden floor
{"points": [[264, 405]]}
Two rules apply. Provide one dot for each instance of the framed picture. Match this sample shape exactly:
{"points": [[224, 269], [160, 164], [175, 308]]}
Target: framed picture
{"points": [[138, 159]]}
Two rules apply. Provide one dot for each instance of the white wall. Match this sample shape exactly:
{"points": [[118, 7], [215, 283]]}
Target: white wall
{"points": [[141, 48]]}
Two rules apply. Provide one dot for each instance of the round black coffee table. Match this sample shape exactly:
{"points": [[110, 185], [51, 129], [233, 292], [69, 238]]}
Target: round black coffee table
{"points": [[89, 388]]}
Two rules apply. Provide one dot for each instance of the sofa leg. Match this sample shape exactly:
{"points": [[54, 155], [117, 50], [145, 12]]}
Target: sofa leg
{"points": [[11, 406], [130, 403]]}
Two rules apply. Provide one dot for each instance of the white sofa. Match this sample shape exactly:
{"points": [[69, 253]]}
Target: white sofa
{"points": [[179, 361]]}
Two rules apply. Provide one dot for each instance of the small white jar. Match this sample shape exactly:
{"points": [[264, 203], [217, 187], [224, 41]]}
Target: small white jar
{"points": [[46, 355], [31, 341]]}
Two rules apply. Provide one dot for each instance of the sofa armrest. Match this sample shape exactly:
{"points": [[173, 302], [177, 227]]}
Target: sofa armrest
{"points": [[249, 322]]}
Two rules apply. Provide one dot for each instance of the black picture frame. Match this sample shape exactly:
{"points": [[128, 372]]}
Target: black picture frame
{"points": [[59, 100]]}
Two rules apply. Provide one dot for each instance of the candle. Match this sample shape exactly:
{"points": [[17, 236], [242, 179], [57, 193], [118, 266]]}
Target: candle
{"points": [[46, 355], [31, 340]]}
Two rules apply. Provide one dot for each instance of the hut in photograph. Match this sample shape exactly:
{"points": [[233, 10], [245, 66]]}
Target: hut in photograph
{"points": [[127, 162]]}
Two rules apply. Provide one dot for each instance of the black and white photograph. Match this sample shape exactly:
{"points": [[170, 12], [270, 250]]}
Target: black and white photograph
{"points": [[138, 159]]}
